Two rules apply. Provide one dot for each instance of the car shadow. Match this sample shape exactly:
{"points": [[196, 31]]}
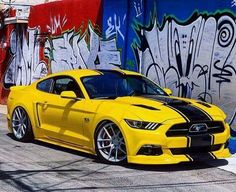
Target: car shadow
{"points": [[160, 168], [11, 136], [55, 147], [63, 149], [185, 166]]}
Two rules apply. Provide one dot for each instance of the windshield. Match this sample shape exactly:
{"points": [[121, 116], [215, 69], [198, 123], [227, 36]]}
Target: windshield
{"points": [[114, 84]]}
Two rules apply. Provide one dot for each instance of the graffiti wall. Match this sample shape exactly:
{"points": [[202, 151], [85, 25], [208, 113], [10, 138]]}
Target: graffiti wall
{"points": [[59, 36], [187, 46], [71, 51], [196, 58], [24, 65]]}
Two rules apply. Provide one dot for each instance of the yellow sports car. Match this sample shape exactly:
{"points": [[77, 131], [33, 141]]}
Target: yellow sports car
{"points": [[120, 116]]}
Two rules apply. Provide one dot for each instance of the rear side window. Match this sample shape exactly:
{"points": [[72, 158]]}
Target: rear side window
{"points": [[45, 85], [61, 85], [66, 84]]}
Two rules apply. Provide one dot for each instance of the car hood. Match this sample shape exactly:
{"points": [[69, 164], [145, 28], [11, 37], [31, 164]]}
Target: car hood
{"points": [[163, 108]]}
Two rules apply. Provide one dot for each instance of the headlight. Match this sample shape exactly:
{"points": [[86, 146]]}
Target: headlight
{"points": [[142, 125]]}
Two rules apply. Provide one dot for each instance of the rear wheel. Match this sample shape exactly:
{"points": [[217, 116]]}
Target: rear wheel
{"points": [[21, 125], [110, 144]]}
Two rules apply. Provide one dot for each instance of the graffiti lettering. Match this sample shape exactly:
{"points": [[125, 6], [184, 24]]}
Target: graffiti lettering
{"points": [[114, 26], [233, 3], [24, 66], [70, 51], [138, 6], [56, 23]]}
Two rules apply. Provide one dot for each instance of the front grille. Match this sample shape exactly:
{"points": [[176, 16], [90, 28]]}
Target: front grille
{"points": [[195, 150], [182, 129]]}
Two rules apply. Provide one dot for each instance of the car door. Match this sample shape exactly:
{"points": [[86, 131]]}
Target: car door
{"points": [[45, 117], [62, 118]]}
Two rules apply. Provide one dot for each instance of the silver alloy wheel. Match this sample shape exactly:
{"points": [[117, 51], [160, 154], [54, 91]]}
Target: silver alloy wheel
{"points": [[110, 143], [20, 123]]}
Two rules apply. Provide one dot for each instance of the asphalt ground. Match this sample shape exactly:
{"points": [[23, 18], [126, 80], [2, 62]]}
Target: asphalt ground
{"points": [[42, 167]]}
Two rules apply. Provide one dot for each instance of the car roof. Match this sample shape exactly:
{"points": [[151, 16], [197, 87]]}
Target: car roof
{"points": [[76, 72], [90, 72]]}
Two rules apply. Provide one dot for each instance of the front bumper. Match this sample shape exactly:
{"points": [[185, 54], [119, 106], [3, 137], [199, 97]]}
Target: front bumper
{"points": [[167, 158], [135, 139]]}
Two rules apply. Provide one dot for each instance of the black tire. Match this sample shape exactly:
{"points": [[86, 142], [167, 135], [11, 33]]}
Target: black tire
{"points": [[21, 125], [109, 144]]}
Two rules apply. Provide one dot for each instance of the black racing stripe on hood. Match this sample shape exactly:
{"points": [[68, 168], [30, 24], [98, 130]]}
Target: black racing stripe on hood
{"points": [[192, 113], [201, 156], [185, 109]]}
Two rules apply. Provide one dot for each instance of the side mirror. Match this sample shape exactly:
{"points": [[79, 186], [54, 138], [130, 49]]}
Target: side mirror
{"points": [[68, 95], [168, 91]]}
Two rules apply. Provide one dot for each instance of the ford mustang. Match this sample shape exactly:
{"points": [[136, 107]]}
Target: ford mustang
{"points": [[118, 115]]}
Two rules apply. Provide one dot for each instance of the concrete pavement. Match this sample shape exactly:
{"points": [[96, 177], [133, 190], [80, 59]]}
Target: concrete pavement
{"points": [[3, 109], [39, 166], [231, 166]]}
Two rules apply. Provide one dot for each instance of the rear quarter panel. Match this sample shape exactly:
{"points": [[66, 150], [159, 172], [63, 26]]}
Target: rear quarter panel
{"points": [[23, 96]]}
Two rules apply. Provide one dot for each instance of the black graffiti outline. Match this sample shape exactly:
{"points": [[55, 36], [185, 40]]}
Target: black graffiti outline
{"points": [[215, 72], [222, 31]]}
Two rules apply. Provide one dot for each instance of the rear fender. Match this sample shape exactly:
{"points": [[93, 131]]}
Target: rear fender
{"points": [[15, 88]]}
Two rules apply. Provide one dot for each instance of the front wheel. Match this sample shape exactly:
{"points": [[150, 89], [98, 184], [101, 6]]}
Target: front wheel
{"points": [[21, 125], [110, 144]]}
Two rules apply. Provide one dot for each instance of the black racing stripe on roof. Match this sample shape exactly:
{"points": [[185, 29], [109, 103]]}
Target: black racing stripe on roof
{"points": [[111, 71], [98, 71]]}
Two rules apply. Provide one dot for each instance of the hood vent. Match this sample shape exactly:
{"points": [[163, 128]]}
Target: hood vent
{"points": [[145, 107]]}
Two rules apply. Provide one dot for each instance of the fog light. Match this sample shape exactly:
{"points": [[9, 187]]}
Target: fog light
{"points": [[150, 150]]}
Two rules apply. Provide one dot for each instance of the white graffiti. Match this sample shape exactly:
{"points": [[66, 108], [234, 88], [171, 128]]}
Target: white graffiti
{"points": [[233, 3], [114, 26], [138, 6], [56, 23], [196, 59], [71, 51], [24, 66]]}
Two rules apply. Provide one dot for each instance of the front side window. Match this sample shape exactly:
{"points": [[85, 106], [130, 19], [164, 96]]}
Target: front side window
{"points": [[112, 85], [45, 85]]}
